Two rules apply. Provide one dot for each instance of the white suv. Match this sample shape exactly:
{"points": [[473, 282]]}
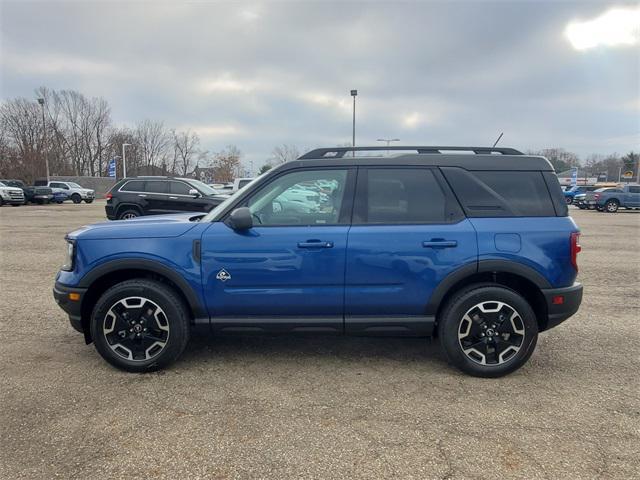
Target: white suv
{"points": [[73, 191], [11, 195]]}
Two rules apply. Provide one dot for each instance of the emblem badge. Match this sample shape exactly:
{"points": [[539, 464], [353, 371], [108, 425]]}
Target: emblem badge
{"points": [[223, 275]]}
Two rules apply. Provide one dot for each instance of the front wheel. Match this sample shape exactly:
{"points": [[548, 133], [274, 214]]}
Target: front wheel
{"points": [[611, 206], [488, 330], [76, 198], [140, 325]]}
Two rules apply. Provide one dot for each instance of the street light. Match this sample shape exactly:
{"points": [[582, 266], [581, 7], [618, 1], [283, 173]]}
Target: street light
{"points": [[354, 94], [388, 140], [124, 160], [44, 138]]}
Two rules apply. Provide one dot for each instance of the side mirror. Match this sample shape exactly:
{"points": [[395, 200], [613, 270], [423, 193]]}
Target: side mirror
{"points": [[241, 219], [194, 192]]}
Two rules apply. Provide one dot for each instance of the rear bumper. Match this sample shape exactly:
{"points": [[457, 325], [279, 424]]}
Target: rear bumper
{"points": [[559, 312], [73, 308], [110, 212]]}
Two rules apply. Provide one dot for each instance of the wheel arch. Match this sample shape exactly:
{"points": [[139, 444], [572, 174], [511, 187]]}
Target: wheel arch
{"points": [[127, 206], [98, 280], [520, 278]]}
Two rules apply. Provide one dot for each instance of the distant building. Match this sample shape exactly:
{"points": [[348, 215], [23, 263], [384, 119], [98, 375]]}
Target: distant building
{"points": [[584, 178]]}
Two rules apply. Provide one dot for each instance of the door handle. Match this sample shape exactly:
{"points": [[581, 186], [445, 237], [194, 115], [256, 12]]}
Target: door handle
{"points": [[140, 195], [315, 244], [173, 198], [440, 243]]}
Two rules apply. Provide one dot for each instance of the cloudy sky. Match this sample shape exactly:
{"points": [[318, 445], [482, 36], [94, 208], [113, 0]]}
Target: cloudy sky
{"points": [[258, 74]]}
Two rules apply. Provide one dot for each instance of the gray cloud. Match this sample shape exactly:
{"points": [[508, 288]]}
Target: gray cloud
{"points": [[261, 73]]}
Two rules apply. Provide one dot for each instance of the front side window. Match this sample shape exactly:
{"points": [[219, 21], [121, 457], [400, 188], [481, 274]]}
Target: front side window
{"points": [[308, 197], [400, 196], [179, 188]]}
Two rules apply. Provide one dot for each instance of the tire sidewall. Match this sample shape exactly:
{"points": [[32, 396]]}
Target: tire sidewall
{"points": [[164, 297], [456, 309], [75, 198]]}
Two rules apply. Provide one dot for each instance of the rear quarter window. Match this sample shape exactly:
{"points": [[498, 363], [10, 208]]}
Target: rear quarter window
{"points": [[501, 193], [133, 186]]}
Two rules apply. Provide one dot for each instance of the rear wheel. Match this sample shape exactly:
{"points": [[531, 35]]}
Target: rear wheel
{"points": [[488, 330], [569, 200], [612, 206], [76, 198], [128, 214], [140, 325]]}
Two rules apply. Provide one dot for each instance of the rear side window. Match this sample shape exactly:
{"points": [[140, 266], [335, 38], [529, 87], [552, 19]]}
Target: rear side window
{"points": [[400, 196], [501, 193], [156, 186], [634, 189], [133, 186]]}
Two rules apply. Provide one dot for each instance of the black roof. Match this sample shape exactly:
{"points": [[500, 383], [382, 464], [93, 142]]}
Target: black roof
{"points": [[482, 158]]}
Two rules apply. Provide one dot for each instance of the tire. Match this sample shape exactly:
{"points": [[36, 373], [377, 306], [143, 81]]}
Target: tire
{"points": [[581, 207], [1, 202], [611, 206], [162, 335], [89, 200], [16, 204], [76, 198], [128, 214], [569, 200], [476, 353]]}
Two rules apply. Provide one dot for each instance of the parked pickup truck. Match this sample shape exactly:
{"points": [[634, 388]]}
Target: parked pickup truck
{"points": [[41, 195], [611, 200]]}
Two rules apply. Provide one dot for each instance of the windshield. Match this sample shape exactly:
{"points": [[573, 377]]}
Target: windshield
{"points": [[73, 185], [2, 184], [203, 187], [213, 214]]}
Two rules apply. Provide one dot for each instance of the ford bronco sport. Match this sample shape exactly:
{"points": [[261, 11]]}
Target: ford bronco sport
{"points": [[476, 249]]}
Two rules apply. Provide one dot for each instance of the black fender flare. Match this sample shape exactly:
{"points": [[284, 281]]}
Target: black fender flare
{"points": [[150, 266], [124, 206], [483, 266]]}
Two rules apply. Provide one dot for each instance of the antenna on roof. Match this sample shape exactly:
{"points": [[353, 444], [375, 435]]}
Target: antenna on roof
{"points": [[501, 133]]}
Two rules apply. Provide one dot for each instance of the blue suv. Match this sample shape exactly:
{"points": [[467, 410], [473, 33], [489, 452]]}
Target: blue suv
{"points": [[476, 249]]}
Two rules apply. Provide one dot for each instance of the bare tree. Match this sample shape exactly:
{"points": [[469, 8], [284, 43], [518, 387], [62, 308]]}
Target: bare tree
{"points": [[153, 140], [185, 148], [226, 163], [284, 153]]}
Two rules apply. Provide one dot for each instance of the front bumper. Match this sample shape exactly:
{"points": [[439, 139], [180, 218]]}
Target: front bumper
{"points": [[13, 201], [110, 212], [88, 195], [557, 312], [43, 197], [73, 308]]}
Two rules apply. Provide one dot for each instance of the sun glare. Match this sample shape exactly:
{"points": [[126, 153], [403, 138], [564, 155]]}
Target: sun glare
{"points": [[615, 27]]}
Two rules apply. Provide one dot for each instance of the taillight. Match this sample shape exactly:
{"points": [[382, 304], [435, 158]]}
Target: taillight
{"points": [[596, 196], [575, 249], [108, 196]]}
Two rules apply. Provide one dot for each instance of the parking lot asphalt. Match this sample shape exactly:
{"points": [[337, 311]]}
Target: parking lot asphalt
{"points": [[300, 407]]}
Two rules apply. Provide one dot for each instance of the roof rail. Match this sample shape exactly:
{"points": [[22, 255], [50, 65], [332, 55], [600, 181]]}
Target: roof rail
{"points": [[339, 152]]}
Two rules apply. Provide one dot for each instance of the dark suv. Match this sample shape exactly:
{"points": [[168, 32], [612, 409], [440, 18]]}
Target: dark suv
{"points": [[133, 197], [478, 250]]}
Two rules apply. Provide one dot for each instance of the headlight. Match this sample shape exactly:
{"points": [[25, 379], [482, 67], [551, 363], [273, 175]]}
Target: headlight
{"points": [[70, 257]]}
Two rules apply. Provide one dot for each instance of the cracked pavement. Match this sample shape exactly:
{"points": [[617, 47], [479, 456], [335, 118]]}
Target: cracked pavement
{"points": [[317, 407]]}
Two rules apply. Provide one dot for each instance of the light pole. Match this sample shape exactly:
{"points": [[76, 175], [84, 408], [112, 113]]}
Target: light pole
{"points": [[354, 94], [124, 160], [44, 138], [388, 140]]}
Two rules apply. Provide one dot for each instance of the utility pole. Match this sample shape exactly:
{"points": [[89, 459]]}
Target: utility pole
{"points": [[354, 94], [44, 139], [388, 140], [124, 160]]}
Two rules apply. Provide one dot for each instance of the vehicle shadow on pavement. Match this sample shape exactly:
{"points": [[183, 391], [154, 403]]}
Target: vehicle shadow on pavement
{"points": [[346, 349]]}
